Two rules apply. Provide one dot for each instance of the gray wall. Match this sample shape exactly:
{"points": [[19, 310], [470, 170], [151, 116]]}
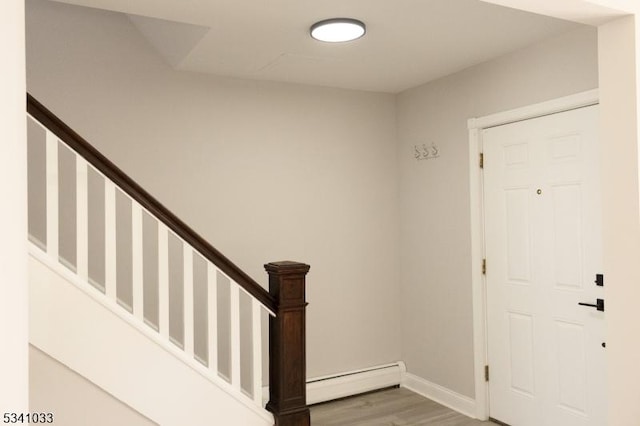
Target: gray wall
{"points": [[73, 400], [435, 247], [264, 171]]}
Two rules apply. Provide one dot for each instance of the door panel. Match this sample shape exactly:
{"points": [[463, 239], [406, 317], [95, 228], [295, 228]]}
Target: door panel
{"points": [[543, 249]]}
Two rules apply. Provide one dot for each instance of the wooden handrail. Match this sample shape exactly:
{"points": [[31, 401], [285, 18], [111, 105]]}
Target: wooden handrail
{"points": [[286, 297], [135, 191]]}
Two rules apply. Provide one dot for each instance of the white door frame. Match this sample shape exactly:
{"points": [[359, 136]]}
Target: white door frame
{"points": [[478, 282]]}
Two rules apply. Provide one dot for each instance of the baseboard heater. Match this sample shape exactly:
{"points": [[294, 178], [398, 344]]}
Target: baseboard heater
{"points": [[341, 385]]}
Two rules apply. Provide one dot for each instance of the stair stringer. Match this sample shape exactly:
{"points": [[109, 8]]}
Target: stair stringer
{"points": [[78, 327]]}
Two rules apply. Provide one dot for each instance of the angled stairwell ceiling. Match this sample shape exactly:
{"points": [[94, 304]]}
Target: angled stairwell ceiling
{"points": [[408, 42], [173, 40]]}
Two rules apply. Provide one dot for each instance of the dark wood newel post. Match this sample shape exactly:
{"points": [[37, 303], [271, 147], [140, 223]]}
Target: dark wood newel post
{"points": [[287, 354]]}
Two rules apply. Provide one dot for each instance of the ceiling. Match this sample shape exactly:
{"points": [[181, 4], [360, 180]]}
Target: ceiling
{"points": [[408, 42]]}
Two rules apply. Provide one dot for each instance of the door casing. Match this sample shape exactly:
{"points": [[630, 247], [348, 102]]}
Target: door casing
{"points": [[478, 282]]}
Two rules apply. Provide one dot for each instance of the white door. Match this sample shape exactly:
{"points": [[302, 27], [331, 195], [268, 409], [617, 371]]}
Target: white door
{"points": [[543, 250]]}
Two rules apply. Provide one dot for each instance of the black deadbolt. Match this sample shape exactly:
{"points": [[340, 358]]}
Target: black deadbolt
{"points": [[599, 280]]}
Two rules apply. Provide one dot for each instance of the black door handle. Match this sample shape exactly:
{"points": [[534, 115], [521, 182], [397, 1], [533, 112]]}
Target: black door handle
{"points": [[599, 304]]}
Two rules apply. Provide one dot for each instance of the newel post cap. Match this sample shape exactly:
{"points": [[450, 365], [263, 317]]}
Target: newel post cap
{"points": [[286, 267]]}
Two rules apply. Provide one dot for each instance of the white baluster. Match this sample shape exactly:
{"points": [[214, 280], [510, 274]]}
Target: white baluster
{"points": [[212, 312], [110, 239], [52, 195], [235, 336], [137, 261], [256, 334], [82, 219], [163, 280], [188, 299]]}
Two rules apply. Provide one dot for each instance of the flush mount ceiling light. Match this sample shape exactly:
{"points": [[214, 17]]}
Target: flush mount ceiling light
{"points": [[337, 30]]}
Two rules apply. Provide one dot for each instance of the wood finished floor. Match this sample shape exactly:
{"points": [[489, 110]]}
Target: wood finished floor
{"points": [[391, 407]]}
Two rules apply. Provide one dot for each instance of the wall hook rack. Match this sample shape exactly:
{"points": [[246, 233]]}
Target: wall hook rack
{"points": [[426, 152]]}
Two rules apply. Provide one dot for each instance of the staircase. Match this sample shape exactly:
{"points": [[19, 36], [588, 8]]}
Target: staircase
{"points": [[127, 295]]}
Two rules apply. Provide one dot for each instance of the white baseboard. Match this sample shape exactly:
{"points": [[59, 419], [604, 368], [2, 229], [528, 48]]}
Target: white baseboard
{"points": [[327, 388], [447, 397]]}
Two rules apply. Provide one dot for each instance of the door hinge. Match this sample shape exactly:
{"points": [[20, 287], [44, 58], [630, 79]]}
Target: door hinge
{"points": [[484, 266], [482, 160], [486, 373]]}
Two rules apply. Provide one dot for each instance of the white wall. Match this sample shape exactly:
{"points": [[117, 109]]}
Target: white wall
{"points": [[72, 399], [13, 188], [264, 171], [619, 45], [435, 232]]}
